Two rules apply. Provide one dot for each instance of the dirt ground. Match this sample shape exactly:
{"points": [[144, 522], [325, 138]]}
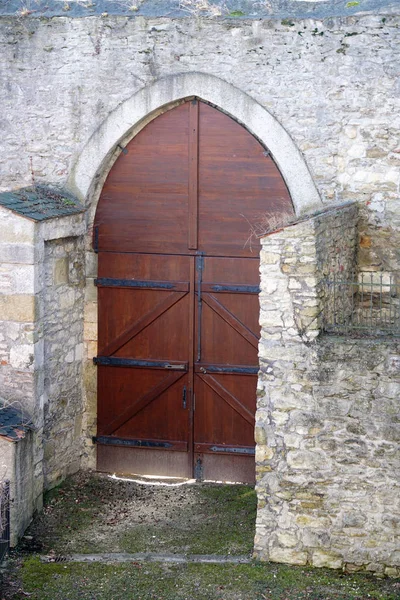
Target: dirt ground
{"points": [[93, 514]]}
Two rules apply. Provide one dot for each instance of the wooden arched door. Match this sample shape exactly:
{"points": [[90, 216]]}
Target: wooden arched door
{"points": [[178, 296]]}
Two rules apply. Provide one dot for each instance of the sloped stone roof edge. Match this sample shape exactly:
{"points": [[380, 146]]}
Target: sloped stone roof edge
{"points": [[40, 203]]}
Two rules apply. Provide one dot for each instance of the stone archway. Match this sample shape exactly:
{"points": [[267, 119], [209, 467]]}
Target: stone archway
{"points": [[132, 115], [126, 121]]}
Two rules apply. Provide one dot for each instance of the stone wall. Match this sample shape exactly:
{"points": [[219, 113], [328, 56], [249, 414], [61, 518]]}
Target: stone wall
{"points": [[42, 283], [323, 446], [327, 435], [90, 351], [17, 466], [333, 84], [63, 350], [18, 306], [21, 344]]}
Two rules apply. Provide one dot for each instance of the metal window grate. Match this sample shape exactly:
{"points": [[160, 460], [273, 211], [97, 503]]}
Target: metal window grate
{"points": [[4, 518], [368, 304]]}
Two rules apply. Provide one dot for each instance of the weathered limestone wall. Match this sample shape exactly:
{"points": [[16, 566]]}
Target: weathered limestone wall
{"points": [[328, 460], [17, 465], [18, 307], [333, 84], [41, 327], [21, 344], [63, 349], [60, 323]]}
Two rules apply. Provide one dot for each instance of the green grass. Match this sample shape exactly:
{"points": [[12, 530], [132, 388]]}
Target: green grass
{"points": [[203, 519], [197, 582]]}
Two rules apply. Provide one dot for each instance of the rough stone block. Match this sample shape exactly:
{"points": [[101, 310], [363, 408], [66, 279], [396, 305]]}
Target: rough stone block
{"points": [[17, 253], [321, 558], [90, 332], [286, 539], [60, 271], [263, 453], [22, 357], [288, 555], [91, 312], [18, 307]]}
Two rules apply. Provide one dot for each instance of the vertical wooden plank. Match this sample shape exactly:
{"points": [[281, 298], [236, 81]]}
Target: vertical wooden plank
{"points": [[144, 202], [238, 184], [191, 357], [158, 216], [193, 173], [135, 402]]}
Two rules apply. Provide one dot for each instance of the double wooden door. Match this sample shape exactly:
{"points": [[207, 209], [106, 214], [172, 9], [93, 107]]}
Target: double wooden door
{"points": [[178, 297]]}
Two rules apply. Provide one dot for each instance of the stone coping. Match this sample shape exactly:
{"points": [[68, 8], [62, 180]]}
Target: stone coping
{"points": [[13, 424], [327, 210], [231, 9]]}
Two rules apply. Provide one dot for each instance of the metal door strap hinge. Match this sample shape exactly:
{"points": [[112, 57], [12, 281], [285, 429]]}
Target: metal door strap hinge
{"points": [[116, 361], [115, 441], [134, 283], [199, 262], [184, 397], [244, 289], [198, 470], [233, 450]]}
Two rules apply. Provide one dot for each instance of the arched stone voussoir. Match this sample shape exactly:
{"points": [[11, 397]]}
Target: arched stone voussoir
{"points": [[223, 95]]}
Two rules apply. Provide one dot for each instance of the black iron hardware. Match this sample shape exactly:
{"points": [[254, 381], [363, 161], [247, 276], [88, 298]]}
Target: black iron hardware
{"points": [[4, 519], [244, 289], [123, 150], [364, 304], [233, 450], [199, 269], [115, 441], [114, 361], [134, 283], [229, 369], [198, 470], [184, 397]]}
